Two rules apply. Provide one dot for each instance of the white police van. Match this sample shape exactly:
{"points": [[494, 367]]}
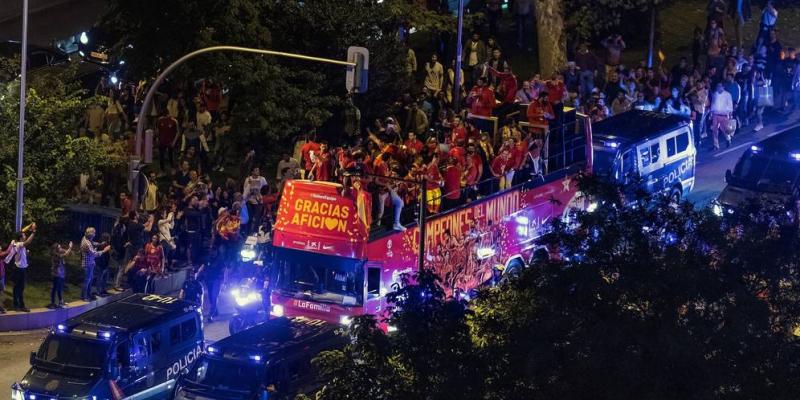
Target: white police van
{"points": [[646, 151], [133, 348]]}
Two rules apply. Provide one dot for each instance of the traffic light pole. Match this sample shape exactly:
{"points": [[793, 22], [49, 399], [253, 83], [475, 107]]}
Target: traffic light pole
{"points": [[148, 99]]}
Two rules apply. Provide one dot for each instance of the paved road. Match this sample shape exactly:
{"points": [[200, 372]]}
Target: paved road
{"points": [[711, 165]]}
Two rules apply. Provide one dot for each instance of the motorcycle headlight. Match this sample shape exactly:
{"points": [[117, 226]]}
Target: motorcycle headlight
{"points": [[246, 297], [247, 254], [277, 310], [717, 209]]}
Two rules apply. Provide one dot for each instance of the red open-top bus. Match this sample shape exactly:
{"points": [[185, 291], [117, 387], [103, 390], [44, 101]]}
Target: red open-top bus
{"points": [[328, 266]]}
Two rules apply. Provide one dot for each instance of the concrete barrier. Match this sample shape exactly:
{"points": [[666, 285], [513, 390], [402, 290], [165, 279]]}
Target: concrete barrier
{"points": [[45, 317]]}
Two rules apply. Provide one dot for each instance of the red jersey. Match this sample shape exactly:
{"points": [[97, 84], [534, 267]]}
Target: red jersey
{"points": [[433, 176], [305, 153], [473, 169], [167, 130], [536, 112], [500, 165], [452, 182], [459, 133], [212, 98], [482, 101], [459, 153], [324, 168], [416, 145], [556, 91]]}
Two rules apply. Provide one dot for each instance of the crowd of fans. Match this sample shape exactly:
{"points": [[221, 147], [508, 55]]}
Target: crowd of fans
{"points": [[191, 212]]}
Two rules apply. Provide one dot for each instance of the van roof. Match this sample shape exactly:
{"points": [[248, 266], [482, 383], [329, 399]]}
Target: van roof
{"points": [[636, 125], [273, 336], [137, 311]]}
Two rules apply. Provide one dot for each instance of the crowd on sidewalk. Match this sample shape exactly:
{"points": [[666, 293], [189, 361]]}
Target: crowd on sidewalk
{"points": [[186, 217]]}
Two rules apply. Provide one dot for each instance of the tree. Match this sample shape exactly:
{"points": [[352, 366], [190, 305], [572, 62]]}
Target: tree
{"points": [[54, 155], [430, 356], [653, 302], [551, 37]]}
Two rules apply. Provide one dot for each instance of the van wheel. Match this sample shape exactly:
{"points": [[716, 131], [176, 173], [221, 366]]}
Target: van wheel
{"points": [[675, 195]]}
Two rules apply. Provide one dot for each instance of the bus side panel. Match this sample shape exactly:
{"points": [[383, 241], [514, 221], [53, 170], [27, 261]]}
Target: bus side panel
{"points": [[462, 246]]}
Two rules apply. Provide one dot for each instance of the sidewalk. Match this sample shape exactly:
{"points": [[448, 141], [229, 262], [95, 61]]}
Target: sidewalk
{"points": [[45, 317]]}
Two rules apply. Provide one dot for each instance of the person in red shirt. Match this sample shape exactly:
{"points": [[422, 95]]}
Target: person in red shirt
{"points": [[540, 111], [413, 144], [433, 191], [452, 185], [502, 167], [558, 94], [457, 130], [212, 96], [508, 86], [167, 131], [473, 170], [481, 99], [321, 168], [305, 152], [459, 153]]}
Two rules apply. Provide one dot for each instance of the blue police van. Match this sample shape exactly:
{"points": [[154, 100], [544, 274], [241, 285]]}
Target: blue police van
{"points": [[272, 359], [769, 169], [133, 348], [645, 150]]}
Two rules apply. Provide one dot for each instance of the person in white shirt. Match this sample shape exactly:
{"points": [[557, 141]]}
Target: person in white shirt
{"points": [[252, 195], [203, 118], [721, 109], [19, 253], [288, 164]]}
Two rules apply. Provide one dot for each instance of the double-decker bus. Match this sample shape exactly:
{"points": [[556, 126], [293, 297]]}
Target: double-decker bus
{"points": [[329, 266]]}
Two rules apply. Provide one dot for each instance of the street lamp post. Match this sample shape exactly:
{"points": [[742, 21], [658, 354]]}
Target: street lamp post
{"points": [[22, 100], [457, 83], [148, 99]]}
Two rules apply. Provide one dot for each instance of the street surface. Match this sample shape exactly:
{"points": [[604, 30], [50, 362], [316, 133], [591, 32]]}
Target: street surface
{"points": [[16, 346], [711, 166]]}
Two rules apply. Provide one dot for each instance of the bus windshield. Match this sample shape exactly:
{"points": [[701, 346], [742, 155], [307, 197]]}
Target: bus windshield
{"points": [[73, 352], [318, 277], [225, 375], [765, 173]]}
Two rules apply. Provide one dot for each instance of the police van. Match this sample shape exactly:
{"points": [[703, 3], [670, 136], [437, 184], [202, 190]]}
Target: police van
{"points": [[768, 169], [645, 150], [133, 348], [272, 358]]}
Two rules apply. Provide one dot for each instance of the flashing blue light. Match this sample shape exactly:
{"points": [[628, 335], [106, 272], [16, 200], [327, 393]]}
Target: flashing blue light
{"points": [[114, 79], [211, 349], [795, 156], [256, 357], [104, 335], [613, 145], [755, 149], [61, 328]]}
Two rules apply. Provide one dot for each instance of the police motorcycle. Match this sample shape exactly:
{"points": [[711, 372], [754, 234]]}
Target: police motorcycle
{"points": [[251, 294]]}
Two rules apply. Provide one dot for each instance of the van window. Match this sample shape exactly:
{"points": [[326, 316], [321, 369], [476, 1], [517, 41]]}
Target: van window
{"points": [[677, 144], [123, 354], [188, 329], [649, 154], [155, 342], [175, 335], [373, 282]]}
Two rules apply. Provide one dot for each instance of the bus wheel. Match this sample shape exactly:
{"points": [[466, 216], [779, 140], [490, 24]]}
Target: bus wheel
{"points": [[236, 324]]}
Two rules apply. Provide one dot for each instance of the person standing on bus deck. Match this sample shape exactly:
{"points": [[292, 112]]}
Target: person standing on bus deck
{"points": [[88, 256], [19, 253], [540, 112], [502, 167], [721, 109], [452, 184]]}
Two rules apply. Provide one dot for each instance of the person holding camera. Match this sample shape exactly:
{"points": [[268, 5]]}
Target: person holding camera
{"points": [[19, 254]]}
